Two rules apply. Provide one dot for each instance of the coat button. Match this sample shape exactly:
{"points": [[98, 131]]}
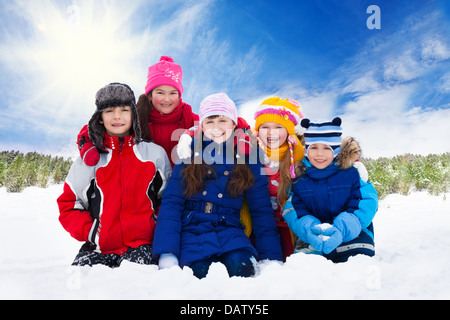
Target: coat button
{"points": [[205, 193], [220, 195], [226, 173]]}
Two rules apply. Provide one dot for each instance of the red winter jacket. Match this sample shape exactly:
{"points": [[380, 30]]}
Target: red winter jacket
{"points": [[112, 203]]}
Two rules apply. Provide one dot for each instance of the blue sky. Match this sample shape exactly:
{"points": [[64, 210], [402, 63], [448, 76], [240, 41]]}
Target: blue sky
{"points": [[391, 86]]}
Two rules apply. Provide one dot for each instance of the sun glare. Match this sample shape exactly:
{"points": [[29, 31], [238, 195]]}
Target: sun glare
{"points": [[67, 53], [79, 50]]}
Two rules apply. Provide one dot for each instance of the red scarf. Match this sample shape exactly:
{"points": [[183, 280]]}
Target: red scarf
{"points": [[163, 127]]}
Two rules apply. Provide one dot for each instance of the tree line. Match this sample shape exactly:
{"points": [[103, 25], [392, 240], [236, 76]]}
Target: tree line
{"points": [[399, 174]]}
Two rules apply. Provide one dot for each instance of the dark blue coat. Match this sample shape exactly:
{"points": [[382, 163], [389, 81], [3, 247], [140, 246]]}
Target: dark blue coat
{"points": [[325, 193], [184, 228]]}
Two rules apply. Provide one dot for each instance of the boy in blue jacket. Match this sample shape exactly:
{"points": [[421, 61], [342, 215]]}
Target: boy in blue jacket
{"points": [[330, 208]]}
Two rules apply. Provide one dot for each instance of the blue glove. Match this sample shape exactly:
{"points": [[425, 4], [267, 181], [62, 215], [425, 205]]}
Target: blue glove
{"points": [[348, 224], [330, 235], [302, 227], [306, 233], [346, 227]]}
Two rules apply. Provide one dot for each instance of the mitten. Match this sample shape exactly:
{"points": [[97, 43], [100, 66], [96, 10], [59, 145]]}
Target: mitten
{"points": [[302, 227], [305, 232], [348, 224], [363, 174], [184, 150], [88, 151], [330, 236], [167, 260], [243, 142]]}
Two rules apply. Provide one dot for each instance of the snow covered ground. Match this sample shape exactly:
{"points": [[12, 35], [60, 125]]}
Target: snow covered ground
{"points": [[412, 260]]}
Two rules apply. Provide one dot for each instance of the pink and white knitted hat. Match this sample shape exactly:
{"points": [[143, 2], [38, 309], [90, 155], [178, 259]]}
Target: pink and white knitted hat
{"points": [[165, 72], [218, 104]]}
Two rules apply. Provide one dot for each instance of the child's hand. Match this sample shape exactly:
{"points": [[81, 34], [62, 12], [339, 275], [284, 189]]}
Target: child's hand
{"points": [[88, 151], [167, 260], [184, 143], [362, 170], [243, 142], [330, 236], [303, 227], [307, 233]]}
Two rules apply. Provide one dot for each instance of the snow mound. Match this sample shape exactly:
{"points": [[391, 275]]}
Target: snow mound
{"points": [[412, 261]]}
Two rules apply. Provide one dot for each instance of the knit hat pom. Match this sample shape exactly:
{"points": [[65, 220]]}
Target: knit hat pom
{"points": [[305, 123], [165, 72], [166, 58], [337, 121]]}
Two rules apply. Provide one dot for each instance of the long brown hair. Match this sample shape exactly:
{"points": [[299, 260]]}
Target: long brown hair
{"points": [[144, 107], [198, 173], [285, 178]]}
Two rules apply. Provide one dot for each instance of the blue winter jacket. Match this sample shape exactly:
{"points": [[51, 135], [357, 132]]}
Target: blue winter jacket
{"points": [[208, 223], [325, 193]]}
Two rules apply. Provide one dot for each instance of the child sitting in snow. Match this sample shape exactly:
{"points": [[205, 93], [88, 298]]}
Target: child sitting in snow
{"points": [[275, 123], [330, 207], [111, 205], [199, 218]]}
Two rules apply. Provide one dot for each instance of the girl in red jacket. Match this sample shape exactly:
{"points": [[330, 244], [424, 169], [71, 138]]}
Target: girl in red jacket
{"points": [[163, 115], [111, 206]]}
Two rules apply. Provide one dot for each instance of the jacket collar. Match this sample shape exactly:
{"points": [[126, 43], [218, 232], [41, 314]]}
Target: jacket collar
{"points": [[218, 153], [318, 174], [116, 142]]}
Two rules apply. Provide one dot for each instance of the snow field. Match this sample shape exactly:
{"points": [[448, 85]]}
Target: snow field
{"points": [[412, 260]]}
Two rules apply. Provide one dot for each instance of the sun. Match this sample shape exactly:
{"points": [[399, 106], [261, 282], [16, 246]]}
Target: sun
{"points": [[65, 53], [82, 46]]}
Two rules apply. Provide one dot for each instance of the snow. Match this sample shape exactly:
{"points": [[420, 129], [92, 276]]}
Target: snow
{"points": [[324, 226], [412, 260]]}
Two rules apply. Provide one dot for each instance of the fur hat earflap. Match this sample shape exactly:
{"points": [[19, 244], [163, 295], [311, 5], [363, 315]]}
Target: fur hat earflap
{"points": [[113, 95], [350, 152]]}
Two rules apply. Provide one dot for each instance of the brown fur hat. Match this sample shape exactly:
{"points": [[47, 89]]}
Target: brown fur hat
{"points": [[113, 95]]}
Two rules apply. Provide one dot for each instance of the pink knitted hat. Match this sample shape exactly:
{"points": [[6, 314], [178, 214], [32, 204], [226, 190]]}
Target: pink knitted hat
{"points": [[165, 72], [218, 104]]}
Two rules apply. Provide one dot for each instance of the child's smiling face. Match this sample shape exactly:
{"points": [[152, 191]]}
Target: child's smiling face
{"points": [[272, 135], [165, 99], [117, 121], [320, 155], [218, 128]]}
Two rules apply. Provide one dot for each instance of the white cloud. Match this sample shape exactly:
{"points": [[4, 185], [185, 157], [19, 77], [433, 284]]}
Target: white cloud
{"points": [[434, 50], [385, 124], [402, 68], [444, 83]]}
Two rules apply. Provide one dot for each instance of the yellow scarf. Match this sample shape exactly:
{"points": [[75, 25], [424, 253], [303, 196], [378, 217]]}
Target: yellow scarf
{"points": [[280, 153]]}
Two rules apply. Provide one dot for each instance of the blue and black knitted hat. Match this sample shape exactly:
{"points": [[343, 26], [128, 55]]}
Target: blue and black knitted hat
{"points": [[328, 133]]}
